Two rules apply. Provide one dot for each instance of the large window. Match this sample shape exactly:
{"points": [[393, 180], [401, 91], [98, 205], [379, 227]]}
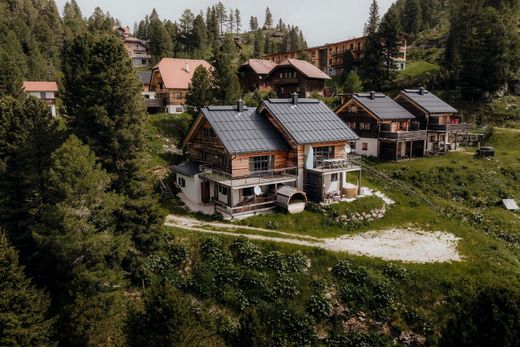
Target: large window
{"points": [[326, 152], [262, 163]]}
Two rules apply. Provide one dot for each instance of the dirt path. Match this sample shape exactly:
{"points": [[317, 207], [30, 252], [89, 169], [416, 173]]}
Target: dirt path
{"points": [[400, 244]]}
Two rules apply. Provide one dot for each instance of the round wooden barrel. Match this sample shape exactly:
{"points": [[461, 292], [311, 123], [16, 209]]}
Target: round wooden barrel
{"points": [[350, 191]]}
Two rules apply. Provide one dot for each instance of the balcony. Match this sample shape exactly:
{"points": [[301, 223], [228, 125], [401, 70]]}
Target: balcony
{"points": [[403, 135], [336, 165], [248, 206], [461, 127], [262, 178]]}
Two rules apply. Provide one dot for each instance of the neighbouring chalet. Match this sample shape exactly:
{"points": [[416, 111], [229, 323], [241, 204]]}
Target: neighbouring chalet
{"points": [[136, 48], [253, 75], [386, 129], [445, 128], [137, 51], [43, 90], [248, 160], [297, 76], [170, 81]]}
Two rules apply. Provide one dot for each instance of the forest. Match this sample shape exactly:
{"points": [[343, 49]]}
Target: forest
{"points": [[86, 261]]}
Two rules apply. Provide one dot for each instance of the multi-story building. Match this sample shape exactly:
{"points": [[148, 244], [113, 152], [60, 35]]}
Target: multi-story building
{"points": [[248, 160], [386, 129], [445, 127], [170, 81], [329, 57], [253, 73], [45, 91], [135, 47]]}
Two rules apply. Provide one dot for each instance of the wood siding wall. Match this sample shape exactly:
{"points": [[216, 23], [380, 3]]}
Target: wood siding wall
{"points": [[240, 163], [210, 145]]}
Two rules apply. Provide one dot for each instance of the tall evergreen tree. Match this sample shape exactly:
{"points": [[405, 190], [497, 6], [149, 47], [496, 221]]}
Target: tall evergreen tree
{"points": [[23, 308], [373, 65], [268, 23], [226, 79], [238, 21], [159, 40], [412, 16], [374, 18], [200, 90], [389, 33], [74, 24]]}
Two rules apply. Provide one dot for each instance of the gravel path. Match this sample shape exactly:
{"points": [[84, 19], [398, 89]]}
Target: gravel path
{"points": [[399, 244]]}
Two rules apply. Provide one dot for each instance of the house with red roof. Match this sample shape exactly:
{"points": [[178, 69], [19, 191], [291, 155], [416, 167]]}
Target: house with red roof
{"points": [[170, 81], [297, 76], [253, 73], [43, 90]]}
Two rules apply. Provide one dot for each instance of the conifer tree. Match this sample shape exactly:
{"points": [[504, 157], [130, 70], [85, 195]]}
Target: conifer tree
{"points": [[412, 16], [74, 24], [200, 90], [373, 66], [159, 40], [268, 19], [23, 308], [226, 79], [238, 21], [389, 33]]}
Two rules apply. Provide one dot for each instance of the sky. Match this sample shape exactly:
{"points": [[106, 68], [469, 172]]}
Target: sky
{"points": [[322, 21]]}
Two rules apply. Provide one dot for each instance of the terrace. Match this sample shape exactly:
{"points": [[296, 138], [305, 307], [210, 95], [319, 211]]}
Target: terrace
{"points": [[279, 176]]}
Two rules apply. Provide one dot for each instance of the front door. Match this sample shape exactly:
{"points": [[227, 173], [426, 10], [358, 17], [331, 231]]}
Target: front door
{"points": [[204, 192]]}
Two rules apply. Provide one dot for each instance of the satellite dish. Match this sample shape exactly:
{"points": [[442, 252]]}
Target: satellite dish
{"points": [[348, 149], [258, 190]]}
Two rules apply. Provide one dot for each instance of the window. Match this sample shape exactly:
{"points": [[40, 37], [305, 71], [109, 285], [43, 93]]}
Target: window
{"points": [[334, 177], [222, 190], [203, 156], [326, 152], [248, 192], [364, 146], [352, 125], [281, 74], [42, 95], [262, 163], [182, 182], [364, 126], [211, 132], [353, 146], [177, 95], [205, 132]]}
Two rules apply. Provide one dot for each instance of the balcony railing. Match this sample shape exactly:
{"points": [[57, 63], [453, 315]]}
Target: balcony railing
{"points": [[261, 205], [416, 135], [327, 165], [254, 179], [449, 127]]}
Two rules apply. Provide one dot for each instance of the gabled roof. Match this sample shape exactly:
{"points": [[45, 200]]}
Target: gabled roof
{"points": [[260, 66], [174, 73], [40, 86], [145, 76], [304, 67], [382, 106], [243, 132], [428, 101], [308, 121]]}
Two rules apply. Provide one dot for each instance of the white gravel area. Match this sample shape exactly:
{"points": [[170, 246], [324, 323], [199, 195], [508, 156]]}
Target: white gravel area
{"points": [[407, 244]]}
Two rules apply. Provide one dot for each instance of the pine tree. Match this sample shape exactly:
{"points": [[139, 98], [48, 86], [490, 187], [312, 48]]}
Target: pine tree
{"points": [[100, 22], [238, 21], [23, 308], [31, 135], [103, 100], [373, 19], [221, 15], [268, 19], [253, 23], [259, 42], [11, 75], [159, 40], [74, 24], [231, 22], [200, 90], [389, 33], [412, 16], [353, 83], [226, 79]]}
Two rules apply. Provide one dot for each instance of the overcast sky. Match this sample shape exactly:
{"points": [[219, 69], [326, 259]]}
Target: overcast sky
{"points": [[322, 21]]}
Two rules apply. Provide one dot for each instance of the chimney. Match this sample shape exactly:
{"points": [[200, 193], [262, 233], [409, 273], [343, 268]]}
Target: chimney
{"points": [[294, 98], [421, 90], [187, 67], [240, 105], [372, 95]]}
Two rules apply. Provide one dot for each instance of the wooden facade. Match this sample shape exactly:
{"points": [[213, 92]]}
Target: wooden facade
{"points": [[287, 80], [251, 81]]}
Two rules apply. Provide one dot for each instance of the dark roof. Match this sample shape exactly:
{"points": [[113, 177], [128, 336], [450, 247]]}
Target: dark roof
{"points": [[189, 168], [382, 106], [309, 121], [145, 76], [428, 101], [243, 132]]}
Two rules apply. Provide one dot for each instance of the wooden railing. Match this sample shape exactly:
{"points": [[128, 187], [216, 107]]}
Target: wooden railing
{"points": [[416, 135], [449, 127], [254, 178]]}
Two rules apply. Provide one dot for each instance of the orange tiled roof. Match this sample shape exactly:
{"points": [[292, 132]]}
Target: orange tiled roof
{"points": [[40, 86], [306, 68], [174, 73], [260, 66]]}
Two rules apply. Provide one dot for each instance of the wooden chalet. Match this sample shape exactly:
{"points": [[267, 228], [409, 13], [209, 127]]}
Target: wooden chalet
{"points": [[253, 75], [43, 90], [246, 160], [386, 129], [170, 81], [444, 126], [297, 76]]}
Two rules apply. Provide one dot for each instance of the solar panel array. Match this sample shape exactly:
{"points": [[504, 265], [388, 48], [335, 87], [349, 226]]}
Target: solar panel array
{"points": [[244, 132], [383, 107], [309, 121], [429, 101]]}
